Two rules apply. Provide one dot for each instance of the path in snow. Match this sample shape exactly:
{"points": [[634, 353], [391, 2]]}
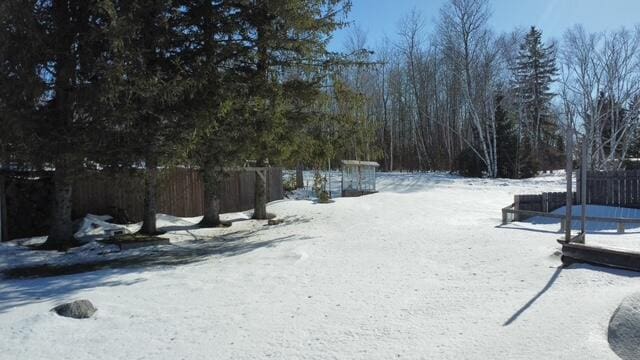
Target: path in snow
{"points": [[419, 270]]}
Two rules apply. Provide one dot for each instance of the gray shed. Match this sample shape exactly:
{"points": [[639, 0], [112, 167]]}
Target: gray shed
{"points": [[358, 177]]}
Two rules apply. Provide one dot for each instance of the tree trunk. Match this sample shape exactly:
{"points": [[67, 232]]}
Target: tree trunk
{"points": [[61, 231], [299, 176], [569, 173], [4, 232], [260, 200], [212, 181], [150, 197]]}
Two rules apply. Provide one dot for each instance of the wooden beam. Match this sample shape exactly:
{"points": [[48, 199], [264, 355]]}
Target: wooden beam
{"points": [[596, 255], [531, 213]]}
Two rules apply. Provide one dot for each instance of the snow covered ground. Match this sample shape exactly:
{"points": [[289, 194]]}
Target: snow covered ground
{"points": [[421, 270]]}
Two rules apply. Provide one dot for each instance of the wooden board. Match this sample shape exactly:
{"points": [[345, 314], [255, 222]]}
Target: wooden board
{"points": [[596, 255]]}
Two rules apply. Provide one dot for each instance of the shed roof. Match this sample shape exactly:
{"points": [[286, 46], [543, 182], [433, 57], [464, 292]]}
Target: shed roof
{"points": [[361, 163]]}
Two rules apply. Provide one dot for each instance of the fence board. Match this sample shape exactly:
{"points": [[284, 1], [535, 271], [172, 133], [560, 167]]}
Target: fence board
{"points": [[613, 188], [180, 193], [544, 203]]}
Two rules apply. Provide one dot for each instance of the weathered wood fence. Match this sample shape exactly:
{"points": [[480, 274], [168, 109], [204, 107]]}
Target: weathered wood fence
{"points": [[524, 214], [545, 202], [180, 193], [614, 188]]}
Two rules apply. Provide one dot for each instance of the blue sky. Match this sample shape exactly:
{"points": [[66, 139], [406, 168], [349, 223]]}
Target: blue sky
{"points": [[381, 17]]}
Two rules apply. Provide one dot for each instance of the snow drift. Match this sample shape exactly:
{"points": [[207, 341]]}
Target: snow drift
{"points": [[624, 329]]}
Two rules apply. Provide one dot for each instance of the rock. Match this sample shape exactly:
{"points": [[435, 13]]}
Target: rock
{"points": [[79, 309], [624, 328], [275, 221]]}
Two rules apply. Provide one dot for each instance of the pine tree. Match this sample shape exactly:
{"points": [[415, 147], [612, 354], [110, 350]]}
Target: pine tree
{"points": [[535, 72]]}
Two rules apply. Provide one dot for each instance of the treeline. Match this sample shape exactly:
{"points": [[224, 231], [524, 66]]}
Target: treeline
{"points": [[463, 98], [112, 85]]}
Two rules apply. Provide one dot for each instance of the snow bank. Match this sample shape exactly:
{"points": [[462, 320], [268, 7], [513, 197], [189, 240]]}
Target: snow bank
{"points": [[97, 227], [624, 329], [93, 228]]}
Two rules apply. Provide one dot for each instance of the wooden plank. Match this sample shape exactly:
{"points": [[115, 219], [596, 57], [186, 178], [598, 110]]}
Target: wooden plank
{"points": [[529, 213], [621, 259]]}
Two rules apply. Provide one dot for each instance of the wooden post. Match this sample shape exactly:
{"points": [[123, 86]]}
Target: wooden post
{"points": [[569, 171], [329, 181], [4, 231], [583, 187], [299, 176], [620, 228], [342, 168]]}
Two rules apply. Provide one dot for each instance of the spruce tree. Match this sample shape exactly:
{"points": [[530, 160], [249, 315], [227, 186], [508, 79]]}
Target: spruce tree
{"points": [[283, 35], [219, 132], [535, 72], [155, 94], [54, 59], [507, 141]]}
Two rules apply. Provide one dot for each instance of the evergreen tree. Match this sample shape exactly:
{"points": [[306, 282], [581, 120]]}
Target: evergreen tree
{"points": [[221, 127], [507, 141], [535, 72], [155, 94], [282, 35], [54, 59]]}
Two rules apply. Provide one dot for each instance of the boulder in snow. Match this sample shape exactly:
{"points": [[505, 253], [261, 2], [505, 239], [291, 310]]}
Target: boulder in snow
{"points": [[624, 328], [79, 309]]}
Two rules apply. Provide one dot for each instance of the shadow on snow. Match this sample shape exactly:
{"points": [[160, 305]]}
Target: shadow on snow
{"points": [[26, 285]]}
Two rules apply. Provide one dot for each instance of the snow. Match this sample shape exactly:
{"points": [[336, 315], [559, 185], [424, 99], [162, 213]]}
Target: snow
{"points": [[93, 227], [599, 233], [624, 328], [422, 269]]}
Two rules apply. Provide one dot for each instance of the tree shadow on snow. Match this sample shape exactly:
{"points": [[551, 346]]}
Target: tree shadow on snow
{"points": [[16, 293], [556, 274], [405, 183], [524, 308], [21, 286]]}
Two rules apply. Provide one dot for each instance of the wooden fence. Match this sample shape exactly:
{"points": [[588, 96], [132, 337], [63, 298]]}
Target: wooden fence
{"points": [[545, 202], [614, 188], [180, 193]]}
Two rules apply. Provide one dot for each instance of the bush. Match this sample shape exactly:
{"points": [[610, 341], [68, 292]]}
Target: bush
{"points": [[319, 183], [289, 183], [323, 197], [469, 164], [529, 167]]}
